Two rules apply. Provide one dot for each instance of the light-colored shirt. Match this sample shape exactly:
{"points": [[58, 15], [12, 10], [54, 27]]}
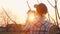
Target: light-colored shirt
{"points": [[40, 26]]}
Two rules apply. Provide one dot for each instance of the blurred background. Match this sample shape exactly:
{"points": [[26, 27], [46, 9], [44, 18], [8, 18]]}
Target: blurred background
{"points": [[17, 10]]}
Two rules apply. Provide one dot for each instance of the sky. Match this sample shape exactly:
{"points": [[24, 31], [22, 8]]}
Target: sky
{"points": [[17, 9]]}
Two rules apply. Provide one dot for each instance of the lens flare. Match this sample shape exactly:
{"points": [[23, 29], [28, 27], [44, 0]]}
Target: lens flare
{"points": [[31, 16]]}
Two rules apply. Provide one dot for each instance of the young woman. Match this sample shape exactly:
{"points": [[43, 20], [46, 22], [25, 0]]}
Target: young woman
{"points": [[40, 25]]}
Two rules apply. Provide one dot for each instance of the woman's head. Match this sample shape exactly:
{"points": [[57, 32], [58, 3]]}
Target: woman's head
{"points": [[41, 9]]}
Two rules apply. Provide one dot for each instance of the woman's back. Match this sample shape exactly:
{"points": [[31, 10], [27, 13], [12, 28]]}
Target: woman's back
{"points": [[40, 27]]}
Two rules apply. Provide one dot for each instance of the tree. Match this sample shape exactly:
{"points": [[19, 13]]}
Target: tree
{"points": [[54, 29]]}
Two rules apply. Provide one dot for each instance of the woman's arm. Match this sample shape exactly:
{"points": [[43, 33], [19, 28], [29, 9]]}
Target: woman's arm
{"points": [[26, 28]]}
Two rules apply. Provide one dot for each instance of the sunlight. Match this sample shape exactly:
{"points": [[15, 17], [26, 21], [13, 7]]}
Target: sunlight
{"points": [[20, 8], [31, 16]]}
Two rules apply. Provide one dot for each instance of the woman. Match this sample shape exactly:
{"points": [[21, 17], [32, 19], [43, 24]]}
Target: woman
{"points": [[41, 22], [41, 25]]}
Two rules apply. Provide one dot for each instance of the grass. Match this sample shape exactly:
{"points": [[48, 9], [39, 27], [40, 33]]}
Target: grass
{"points": [[13, 33]]}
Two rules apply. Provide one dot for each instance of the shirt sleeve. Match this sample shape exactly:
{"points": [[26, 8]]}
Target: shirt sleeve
{"points": [[47, 24], [26, 27]]}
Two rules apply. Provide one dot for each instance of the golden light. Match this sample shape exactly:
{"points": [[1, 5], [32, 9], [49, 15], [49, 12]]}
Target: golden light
{"points": [[31, 16], [19, 8]]}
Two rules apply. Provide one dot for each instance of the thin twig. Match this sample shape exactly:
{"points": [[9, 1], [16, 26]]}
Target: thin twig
{"points": [[58, 13], [51, 18], [8, 16], [28, 5], [50, 4]]}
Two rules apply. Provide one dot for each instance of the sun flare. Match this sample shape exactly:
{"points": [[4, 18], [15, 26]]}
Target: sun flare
{"points": [[19, 8], [31, 17]]}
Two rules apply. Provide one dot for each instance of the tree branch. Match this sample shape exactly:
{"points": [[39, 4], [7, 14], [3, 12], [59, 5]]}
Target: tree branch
{"points": [[58, 13], [50, 4], [8, 16], [28, 5], [51, 18]]}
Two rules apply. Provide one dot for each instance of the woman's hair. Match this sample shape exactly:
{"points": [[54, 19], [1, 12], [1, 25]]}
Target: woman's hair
{"points": [[41, 8]]}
